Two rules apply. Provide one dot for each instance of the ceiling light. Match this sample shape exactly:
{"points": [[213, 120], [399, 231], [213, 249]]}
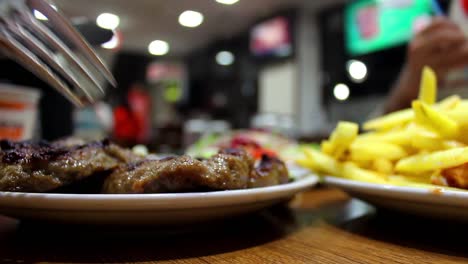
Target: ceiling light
{"points": [[41, 16], [227, 2], [108, 21], [225, 58], [341, 91], [112, 43], [190, 18], [357, 70], [158, 47]]}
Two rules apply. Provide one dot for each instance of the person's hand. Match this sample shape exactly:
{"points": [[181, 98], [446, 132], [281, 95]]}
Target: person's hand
{"points": [[441, 45]]}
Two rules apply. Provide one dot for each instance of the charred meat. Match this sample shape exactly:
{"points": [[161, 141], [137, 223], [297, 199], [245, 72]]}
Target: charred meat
{"points": [[153, 176], [41, 167], [101, 166], [269, 171], [227, 170]]}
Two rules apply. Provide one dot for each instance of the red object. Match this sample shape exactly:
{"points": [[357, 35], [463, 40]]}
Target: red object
{"points": [[244, 142], [464, 4], [132, 122], [140, 105], [125, 127], [259, 153], [251, 146]]}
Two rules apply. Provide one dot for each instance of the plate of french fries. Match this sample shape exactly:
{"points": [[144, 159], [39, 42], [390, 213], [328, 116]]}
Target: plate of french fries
{"points": [[415, 159]]}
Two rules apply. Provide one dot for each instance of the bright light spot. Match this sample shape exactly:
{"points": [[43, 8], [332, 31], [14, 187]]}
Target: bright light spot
{"points": [[158, 47], [357, 70], [112, 43], [341, 91], [41, 16], [225, 58], [140, 150], [108, 21], [227, 2], [190, 18]]}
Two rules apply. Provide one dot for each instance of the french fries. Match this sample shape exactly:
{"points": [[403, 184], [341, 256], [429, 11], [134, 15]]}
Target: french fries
{"points": [[410, 147], [376, 150], [433, 161], [434, 120], [383, 166], [323, 163], [428, 90], [390, 121], [353, 172], [450, 103], [340, 139]]}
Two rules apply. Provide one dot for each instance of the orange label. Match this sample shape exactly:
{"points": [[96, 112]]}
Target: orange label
{"points": [[12, 133], [13, 105]]}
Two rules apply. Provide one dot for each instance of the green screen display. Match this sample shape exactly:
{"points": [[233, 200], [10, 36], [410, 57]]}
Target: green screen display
{"points": [[372, 25]]}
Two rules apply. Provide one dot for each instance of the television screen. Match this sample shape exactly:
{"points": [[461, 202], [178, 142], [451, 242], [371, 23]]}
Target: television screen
{"points": [[271, 38], [372, 25]]}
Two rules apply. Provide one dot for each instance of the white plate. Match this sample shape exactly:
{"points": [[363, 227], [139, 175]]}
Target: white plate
{"points": [[433, 202], [174, 208]]}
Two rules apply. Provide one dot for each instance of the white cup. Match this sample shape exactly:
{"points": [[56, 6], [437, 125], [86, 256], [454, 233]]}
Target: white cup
{"points": [[18, 111]]}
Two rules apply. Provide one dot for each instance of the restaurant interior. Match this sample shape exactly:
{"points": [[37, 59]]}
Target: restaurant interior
{"points": [[234, 66], [233, 131]]}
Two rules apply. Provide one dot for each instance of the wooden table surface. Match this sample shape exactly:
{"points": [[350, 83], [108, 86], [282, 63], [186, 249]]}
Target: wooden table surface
{"points": [[319, 226]]}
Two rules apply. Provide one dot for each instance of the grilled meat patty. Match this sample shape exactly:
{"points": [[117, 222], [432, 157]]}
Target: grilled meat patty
{"points": [[269, 171], [229, 169], [154, 176], [41, 167]]}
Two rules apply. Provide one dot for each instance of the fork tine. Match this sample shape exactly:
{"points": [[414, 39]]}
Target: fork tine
{"points": [[63, 26], [36, 46], [51, 38], [23, 56]]}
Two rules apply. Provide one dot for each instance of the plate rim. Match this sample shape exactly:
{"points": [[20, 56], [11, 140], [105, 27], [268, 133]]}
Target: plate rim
{"points": [[154, 201], [434, 195]]}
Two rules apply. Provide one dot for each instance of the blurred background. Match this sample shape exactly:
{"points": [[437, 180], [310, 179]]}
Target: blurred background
{"points": [[188, 67]]}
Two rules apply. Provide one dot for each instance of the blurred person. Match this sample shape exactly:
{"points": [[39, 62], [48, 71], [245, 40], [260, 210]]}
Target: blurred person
{"points": [[442, 45], [125, 126], [139, 102], [132, 118]]}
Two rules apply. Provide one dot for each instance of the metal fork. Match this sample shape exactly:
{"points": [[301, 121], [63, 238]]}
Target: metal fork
{"points": [[33, 45]]}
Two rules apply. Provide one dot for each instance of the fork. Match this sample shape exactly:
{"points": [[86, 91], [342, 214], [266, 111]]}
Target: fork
{"points": [[33, 45]]}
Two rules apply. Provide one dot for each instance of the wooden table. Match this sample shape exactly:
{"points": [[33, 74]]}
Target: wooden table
{"points": [[319, 226]]}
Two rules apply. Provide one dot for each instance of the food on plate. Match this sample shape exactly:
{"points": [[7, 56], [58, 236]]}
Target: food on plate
{"points": [[424, 146], [257, 143], [229, 169], [269, 171], [42, 167], [71, 166]]}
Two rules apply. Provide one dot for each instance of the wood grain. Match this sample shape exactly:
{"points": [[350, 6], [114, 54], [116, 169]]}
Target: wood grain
{"points": [[319, 226]]}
